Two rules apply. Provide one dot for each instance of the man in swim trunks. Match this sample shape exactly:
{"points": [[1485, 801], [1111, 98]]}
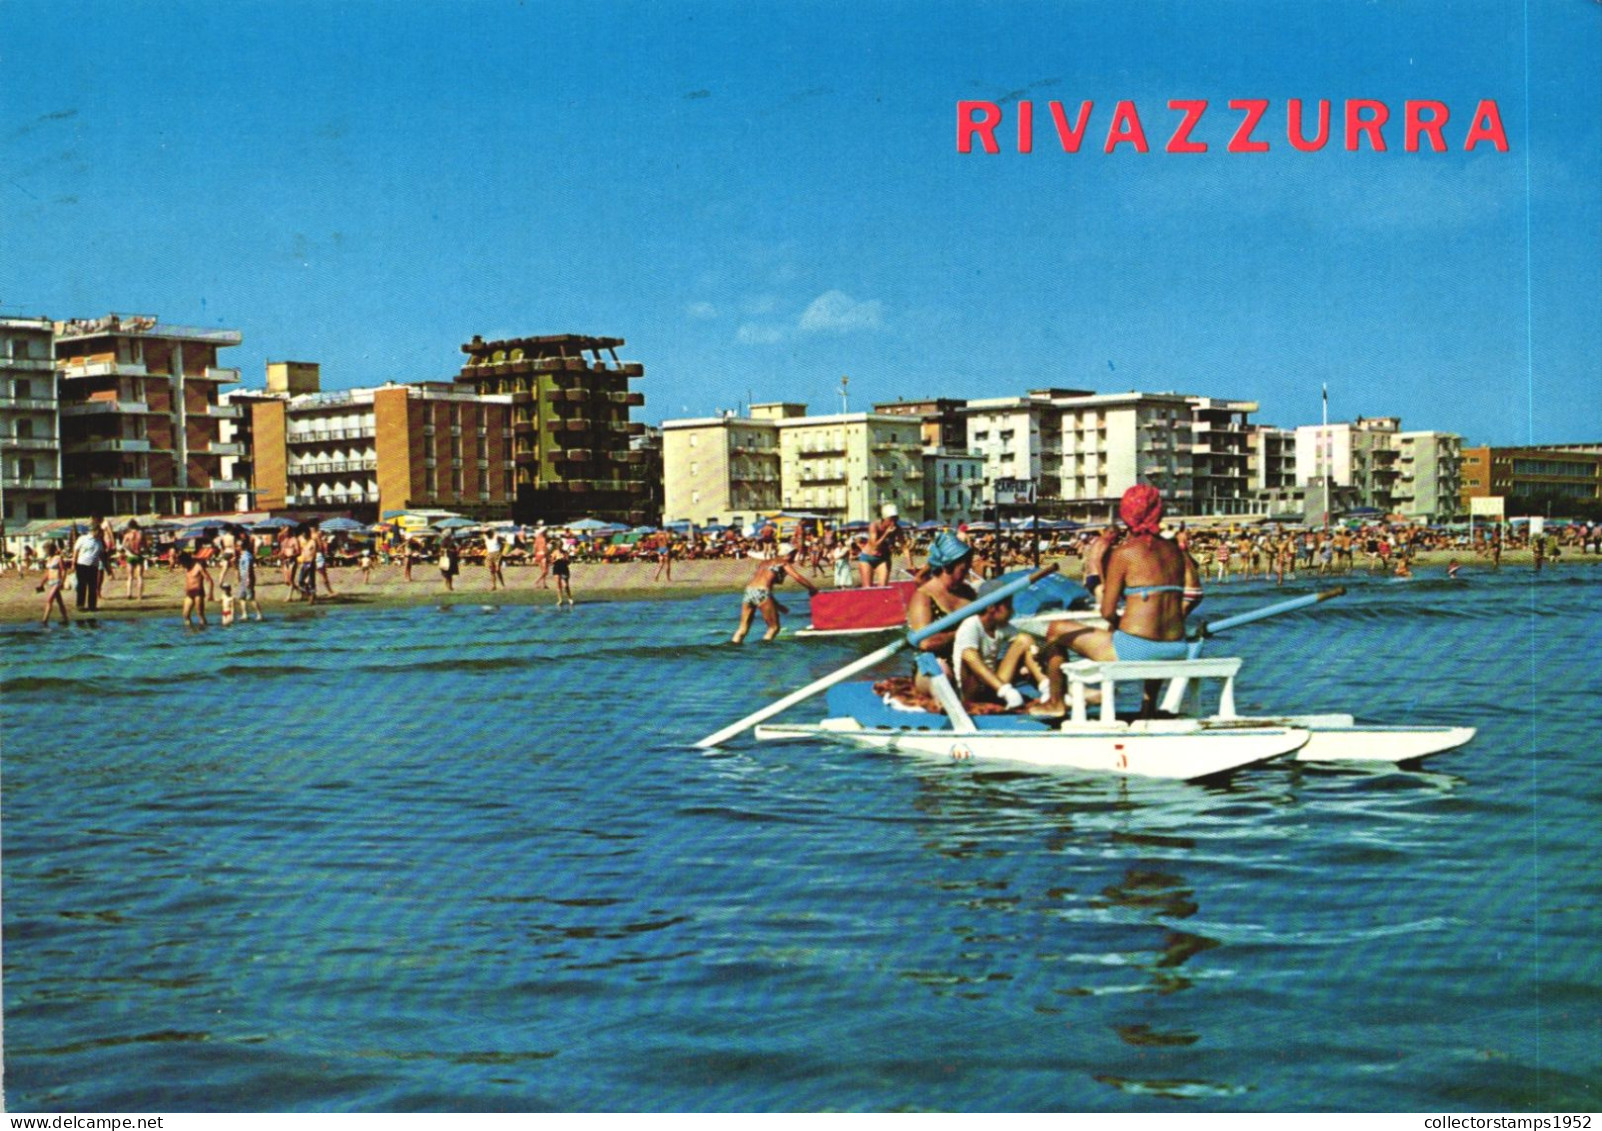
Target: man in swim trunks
{"points": [[758, 596], [1158, 585]]}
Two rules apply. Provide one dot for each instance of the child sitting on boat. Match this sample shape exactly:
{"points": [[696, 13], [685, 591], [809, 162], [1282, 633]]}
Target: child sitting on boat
{"points": [[990, 654]]}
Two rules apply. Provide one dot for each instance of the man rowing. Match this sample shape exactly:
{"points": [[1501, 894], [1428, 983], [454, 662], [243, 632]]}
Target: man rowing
{"points": [[1157, 584]]}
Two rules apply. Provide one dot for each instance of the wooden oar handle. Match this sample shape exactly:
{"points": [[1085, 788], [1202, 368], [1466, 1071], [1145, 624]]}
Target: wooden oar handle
{"points": [[1338, 591]]}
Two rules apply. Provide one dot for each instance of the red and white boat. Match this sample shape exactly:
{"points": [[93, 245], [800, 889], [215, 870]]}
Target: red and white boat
{"points": [[883, 607]]}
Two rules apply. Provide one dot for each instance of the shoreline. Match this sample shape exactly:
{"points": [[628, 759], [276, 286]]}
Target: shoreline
{"points": [[591, 581]]}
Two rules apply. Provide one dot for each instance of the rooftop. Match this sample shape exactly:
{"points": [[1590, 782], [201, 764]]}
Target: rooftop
{"points": [[117, 325]]}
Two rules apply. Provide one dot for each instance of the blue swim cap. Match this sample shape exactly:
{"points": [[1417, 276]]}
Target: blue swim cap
{"points": [[947, 550]]}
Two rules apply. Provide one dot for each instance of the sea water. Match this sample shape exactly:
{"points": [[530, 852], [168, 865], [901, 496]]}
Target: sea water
{"points": [[469, 859]]}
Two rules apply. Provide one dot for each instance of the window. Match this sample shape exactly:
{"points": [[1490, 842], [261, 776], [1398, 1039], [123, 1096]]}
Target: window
{"points": [[23, 387]]}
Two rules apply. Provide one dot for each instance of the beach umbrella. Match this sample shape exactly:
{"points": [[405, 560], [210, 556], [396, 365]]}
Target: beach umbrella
{"points": [[588, 524], [932, 524], [342, 526], [456, 522], [277, 523]]}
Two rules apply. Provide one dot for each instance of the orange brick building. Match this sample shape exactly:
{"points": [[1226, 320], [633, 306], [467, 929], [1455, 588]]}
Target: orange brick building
{"points": [[390, 448]]}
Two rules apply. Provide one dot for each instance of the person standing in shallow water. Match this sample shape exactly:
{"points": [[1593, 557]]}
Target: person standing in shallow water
{"points": [[55, 579], [87, 555], [560, 560], [758, 595]]}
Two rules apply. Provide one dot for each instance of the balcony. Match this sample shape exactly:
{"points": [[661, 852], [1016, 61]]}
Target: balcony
{"points": [[28, 364], [323, 435], [219, 449], [225, 411], [232, 485], [96, 408], [222, 373], [114, 444], [120, 483], [31, 482], [105, 369], [27, 404], [29, 443]]}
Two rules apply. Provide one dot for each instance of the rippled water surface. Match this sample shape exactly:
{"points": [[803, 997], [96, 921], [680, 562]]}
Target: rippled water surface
{"points": [[418, 859]]}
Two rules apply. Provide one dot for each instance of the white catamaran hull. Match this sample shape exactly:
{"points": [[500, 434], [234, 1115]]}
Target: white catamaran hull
{"points": [[1174, 749], [1341, 738]]}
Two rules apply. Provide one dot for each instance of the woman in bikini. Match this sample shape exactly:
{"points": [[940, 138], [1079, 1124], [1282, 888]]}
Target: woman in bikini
{"points": [[946, 591], [55, 578], [758, 596], [1157, 584], [133, 551]]}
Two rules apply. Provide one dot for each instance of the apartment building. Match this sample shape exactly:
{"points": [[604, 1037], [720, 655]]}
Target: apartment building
{"points": [[953, 486], [847, 466], [941, 418], [1365, 455], [570, 423], [30, 430], [1556, 479], [140, 416], [1083, 450], [731, 469], [372, 451], [1270, 457], [721, 469], [1429, 485]]}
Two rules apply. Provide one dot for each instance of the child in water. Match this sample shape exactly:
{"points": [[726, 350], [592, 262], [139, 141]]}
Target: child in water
{"points": [[227, 604]]}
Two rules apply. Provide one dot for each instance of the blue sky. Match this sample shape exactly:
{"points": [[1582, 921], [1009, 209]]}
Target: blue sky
{"points": [[764, 197]]}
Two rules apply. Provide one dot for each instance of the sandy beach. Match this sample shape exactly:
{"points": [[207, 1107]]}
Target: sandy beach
{"points": [[592, 581]]}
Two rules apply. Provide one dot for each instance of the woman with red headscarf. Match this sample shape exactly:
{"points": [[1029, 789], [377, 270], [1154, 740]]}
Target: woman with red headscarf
{"points": [[1155, 581]]}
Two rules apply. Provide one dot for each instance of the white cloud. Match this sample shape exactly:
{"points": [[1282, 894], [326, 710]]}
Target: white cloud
{"points": [[701, 310], [838, 313], [758, 334]]}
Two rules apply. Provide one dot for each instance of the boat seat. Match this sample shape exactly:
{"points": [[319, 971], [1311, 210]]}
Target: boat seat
{"points": [[858, 700], [1107, 676]]}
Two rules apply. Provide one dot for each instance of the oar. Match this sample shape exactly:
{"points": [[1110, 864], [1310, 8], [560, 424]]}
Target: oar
{"points": [[1214, 628], [851, 669], [1175, 695]]}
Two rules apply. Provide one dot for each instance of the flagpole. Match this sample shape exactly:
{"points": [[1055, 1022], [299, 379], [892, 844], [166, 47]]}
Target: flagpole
{"points": [[1323, 439]]}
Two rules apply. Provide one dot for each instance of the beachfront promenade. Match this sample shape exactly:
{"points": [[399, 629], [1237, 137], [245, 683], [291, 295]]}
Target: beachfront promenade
{"points": [[592, 581]]}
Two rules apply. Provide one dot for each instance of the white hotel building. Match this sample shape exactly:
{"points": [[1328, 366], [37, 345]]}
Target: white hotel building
{"points": [[1083, 450]]}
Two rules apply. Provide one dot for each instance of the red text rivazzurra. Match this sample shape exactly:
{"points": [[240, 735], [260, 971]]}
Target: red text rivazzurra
{"points": [[1365, 122]]}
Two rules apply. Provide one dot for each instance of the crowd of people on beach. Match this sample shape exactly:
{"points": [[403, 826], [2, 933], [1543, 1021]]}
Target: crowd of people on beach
{"points": [[88, 562]]}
